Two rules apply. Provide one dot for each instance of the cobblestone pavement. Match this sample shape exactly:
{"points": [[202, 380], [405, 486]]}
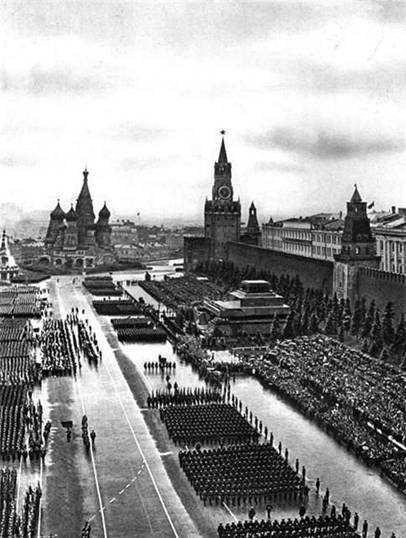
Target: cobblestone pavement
{"points": [[127, 492], [121, 486]]}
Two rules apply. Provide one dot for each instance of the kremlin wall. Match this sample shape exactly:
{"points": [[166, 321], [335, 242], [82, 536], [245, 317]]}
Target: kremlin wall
{"points": [[313, 273], [353, 273]]}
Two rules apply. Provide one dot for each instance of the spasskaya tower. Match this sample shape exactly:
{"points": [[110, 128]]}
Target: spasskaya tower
{"points": [[222, 214]]}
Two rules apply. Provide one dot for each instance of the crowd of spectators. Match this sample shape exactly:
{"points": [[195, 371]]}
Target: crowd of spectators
{"points": [[354, 396], [184, 290], [190, 351]]}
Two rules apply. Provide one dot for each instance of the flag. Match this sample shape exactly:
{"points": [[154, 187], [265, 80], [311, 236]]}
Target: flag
{"points": [[371, 205]]}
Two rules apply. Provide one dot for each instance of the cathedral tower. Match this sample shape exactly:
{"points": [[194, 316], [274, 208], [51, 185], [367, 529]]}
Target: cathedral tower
{"points": [[103, 229], [85, 214], [357, 249], [71, 232], [222, 214], [55, 224]]}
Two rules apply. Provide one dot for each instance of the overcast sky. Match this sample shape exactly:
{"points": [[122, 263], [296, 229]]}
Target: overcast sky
{"points": [[312, 96]]}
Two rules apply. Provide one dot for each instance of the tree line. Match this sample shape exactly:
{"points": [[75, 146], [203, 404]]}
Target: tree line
{"points": [[362, 324]]}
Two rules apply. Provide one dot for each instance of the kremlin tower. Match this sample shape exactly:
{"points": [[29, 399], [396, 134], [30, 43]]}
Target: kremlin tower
{"points": [[357, 249], [222, 214]]}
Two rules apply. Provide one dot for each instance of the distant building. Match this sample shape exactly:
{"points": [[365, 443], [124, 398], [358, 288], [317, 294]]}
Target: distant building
{"points": [[129, 253], [124, 232], [8, 266], [317, 236], [27, 251], [389, 230], [174, 241], [74, 238], [251, 309]]}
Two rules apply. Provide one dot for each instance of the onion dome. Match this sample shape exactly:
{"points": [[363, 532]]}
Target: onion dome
{"points": [[58, 213], [71, 214], [104, 213]]}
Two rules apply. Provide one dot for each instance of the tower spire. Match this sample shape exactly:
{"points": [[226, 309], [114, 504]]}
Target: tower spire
{"points": [[223, 154], [356, 197], [222, 188]]}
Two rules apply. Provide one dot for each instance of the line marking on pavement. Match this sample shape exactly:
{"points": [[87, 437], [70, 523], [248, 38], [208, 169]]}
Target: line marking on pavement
{"points": [[93, 465], [119, 493], [175, 533], [229, 511], [41, 470], [63, 314], [40, 499], [20, 470], [144, 377], [165, 453], [142, 453]]}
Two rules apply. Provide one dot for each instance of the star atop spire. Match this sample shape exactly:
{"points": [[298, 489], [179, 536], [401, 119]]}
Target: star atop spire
{"points": [[223, 154], [356, 197]]}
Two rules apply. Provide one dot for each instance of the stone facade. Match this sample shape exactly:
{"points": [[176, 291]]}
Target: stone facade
{"points": [[325, 253], [222, 218], [382, 286], [74, 239], [357, 249], [252, 233], [313, 273], [390, 235], [222, 214], [313, 237]]}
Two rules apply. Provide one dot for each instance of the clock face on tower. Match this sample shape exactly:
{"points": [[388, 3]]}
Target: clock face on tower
{"points": [[224, 192]]}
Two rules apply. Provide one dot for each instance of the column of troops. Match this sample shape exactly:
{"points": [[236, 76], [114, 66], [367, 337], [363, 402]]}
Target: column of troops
{"points": [[21, 425], [229, 457]]}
